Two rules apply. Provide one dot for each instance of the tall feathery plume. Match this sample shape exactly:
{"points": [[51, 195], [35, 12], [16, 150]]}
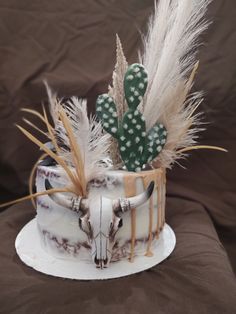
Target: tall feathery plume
{"points": [[116, 91], [169, 57]]}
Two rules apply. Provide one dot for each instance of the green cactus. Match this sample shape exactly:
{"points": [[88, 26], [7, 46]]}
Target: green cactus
{"points": [[137, 147]]}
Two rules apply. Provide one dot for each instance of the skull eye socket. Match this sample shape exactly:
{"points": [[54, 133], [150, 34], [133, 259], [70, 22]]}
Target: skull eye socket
{"points": [[120, 224], [85, 226]]}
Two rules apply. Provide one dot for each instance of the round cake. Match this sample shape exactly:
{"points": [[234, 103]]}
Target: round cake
{"points": [[98, 204], [121, 217]]}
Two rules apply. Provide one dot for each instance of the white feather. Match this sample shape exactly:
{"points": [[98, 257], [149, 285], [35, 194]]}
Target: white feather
{"points": [[169, 56], [92, 142]]}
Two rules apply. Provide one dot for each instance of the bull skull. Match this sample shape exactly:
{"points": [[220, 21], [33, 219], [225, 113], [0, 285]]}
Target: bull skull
{"points": [[100, 218]]}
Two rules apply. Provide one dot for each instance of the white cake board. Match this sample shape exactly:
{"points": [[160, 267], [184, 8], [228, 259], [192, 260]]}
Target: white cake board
{"points": [[29, 248]]}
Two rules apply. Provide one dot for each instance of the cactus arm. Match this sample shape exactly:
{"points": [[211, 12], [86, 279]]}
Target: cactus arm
{"points": [[133, 124], [135, 85], [156, 139], [133, 140], [107, 113]]}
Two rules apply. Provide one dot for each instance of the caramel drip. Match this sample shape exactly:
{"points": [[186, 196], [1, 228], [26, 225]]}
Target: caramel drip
{"points": [[163, 184], [149, 173], [146, 181], [149, 252], [159, 206], [155, 175], [130, 190]]}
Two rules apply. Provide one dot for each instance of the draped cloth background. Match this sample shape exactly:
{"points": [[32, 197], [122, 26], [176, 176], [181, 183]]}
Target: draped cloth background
{"points": [[72, 45]]}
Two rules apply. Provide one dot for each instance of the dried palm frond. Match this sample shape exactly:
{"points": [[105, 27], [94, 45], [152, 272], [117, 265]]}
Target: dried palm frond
{"points": [[79, 141], [74, 152], [51, 132], [202, 147], [32, 196], [81, 147], [116, 91], [35, 127], [117, 88], [53, 155]]}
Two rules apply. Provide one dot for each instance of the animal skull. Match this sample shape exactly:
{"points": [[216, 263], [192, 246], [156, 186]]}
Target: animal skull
{"points": [[100, 218]]}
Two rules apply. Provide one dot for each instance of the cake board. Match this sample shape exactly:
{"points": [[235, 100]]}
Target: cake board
{"points": [[29, 249]]}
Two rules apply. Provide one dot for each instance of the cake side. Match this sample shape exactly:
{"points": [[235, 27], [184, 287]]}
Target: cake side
{"points": [[60, 227]]}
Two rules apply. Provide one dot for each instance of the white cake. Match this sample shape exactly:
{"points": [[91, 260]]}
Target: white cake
{"points": [[106, 233], [88, 215]]}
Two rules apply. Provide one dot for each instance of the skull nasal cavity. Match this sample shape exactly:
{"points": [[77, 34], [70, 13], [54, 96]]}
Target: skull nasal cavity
{"points": [[100, 261]]}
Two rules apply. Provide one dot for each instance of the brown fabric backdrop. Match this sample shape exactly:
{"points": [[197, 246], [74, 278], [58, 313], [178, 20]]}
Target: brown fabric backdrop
{"points": [[72, 45]]}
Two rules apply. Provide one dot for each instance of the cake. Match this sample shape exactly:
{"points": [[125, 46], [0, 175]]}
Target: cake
{"points": [[110, 224], [101, 182]]}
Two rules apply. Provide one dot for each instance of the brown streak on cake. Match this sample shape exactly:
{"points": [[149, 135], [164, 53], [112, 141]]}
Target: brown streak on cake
{"points": [[42, 204], [104, 182], [65, 245], [73, 249], [42, 173]]}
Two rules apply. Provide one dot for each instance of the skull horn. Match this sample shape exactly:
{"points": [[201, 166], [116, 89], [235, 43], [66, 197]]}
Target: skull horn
{"points": [[75, 203], [126, 204]]}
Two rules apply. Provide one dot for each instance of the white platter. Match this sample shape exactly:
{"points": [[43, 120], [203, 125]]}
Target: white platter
{"points": [[29, 248]]}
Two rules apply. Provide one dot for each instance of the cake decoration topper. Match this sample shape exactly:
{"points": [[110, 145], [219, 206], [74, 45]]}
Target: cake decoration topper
{"points": [[147, 120], [148, 115], [100, 218], [136, 146]]}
